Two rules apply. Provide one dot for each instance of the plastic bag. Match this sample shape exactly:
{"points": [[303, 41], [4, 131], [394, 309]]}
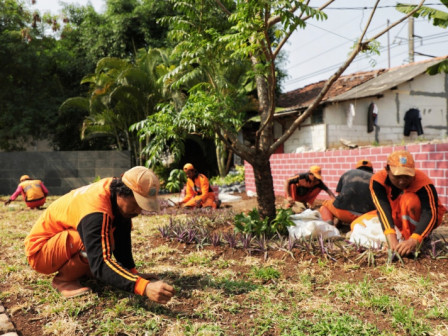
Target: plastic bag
{"points": [[310, 224], [370, 234]]}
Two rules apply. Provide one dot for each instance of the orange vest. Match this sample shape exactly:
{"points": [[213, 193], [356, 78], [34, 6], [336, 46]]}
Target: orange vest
{"points": [[32, 190], [67, 211]]}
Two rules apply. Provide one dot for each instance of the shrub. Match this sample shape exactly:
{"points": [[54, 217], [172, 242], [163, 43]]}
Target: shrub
{"points": [[176, 180], [231, 178], [255, 225]]}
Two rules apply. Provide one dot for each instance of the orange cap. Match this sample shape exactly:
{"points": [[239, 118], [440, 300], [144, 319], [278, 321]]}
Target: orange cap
{"points": [[364, 163], [24, 178], [188, 166], [144, 185], [316, 171], [401, 163]]}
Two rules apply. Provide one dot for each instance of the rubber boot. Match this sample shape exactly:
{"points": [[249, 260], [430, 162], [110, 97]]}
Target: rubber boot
{"points": [[67, 280], [326, 215]]}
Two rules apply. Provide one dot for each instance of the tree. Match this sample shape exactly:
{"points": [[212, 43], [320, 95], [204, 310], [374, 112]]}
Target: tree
{"points": [[247, 31]]}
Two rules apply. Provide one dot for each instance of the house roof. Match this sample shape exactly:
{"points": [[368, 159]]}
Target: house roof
{"points": [[389, 79], [353, 86]]}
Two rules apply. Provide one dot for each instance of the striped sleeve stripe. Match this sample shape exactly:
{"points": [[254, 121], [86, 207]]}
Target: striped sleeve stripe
{"points": [[107, 252], [380, 210], [433, 206]]}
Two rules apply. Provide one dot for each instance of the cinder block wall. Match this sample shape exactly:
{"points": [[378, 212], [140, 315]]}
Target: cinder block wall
{"points": [[60, 171], [430, 158]]}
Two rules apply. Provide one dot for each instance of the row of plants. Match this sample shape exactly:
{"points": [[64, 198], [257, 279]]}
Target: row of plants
{"points": [[259, 236]]}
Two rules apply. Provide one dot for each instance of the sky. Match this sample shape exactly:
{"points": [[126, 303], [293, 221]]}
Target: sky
{"points": [[315, 53]]}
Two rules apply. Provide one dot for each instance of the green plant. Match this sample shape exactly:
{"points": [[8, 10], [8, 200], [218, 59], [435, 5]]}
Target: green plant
{"points": [[252, 223], [230, 178], [176, 180], [255, 225], [265, 273]]}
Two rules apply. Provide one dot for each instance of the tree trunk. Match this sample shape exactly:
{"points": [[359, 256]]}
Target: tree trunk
{"points": [[264, 186]]}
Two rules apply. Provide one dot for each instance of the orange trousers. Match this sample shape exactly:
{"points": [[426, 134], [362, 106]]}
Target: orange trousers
{"points": [[209, 202], [57, 251], [35, 204], [309, 197], [406, 210], [328, 212]]}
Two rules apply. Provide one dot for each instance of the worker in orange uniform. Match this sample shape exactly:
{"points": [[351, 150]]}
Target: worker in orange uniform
{"points": [[353, 199], [33, 192], [305, 187], [405, 200], [88, 231], [198, 192]]}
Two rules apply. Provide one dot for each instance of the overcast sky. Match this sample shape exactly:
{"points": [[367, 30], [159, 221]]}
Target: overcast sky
{"points": [[315, 53]]}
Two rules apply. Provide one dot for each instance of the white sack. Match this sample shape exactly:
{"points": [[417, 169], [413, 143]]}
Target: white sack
{"points": [[310, 224], [371, 235]]}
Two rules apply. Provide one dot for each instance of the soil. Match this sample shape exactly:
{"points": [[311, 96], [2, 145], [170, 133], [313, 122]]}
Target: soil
{"points": [[29, 323]]}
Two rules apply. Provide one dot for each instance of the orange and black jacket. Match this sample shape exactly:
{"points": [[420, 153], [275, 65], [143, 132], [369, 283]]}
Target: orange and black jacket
{"points": [[92, 211], [384, 192], [198, 186], [305, 185]]}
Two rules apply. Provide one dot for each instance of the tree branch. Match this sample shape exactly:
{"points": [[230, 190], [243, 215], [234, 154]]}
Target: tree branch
{"points": [[225, 10]]}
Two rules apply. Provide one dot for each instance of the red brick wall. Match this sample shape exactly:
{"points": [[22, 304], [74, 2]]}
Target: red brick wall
{"points": [[430, 158]]}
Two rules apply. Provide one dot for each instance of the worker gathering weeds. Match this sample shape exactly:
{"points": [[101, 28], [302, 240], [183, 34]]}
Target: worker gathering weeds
{"points": [[87, 233], [33, 192], [198, 192]]}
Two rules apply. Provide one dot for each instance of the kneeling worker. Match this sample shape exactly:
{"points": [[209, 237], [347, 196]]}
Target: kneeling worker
{"points": [[406, 200], [353, 199], [198, 192], [88, 230], [305, 187]]}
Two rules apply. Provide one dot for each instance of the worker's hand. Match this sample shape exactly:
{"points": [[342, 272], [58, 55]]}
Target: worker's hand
{"points": [[392, 240], [159, 292], [290, 201], [407, 246], [7, 202]]}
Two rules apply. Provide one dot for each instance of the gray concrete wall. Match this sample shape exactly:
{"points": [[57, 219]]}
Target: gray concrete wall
{"points": [[60, 171]]}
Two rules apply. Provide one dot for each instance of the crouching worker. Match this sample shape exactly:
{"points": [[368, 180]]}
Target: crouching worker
{"points": [[405, 200], [88, 231], [198, 192], [353, 199], [305, 187], [33, 192]]}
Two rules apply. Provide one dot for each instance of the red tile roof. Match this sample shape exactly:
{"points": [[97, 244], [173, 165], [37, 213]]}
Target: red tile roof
{"points": [[303, 97]]}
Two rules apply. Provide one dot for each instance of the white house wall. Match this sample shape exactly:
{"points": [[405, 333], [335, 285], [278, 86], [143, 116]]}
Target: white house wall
{"points": [[427, 93]]}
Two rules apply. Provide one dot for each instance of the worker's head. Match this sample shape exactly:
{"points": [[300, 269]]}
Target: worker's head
{"points": [[136, 190], [316, 171], [189, 170], [401, 169], [364, 165], [24, 178]]}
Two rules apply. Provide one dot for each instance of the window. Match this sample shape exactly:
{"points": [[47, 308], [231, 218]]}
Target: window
{"points": [[318, 116]]}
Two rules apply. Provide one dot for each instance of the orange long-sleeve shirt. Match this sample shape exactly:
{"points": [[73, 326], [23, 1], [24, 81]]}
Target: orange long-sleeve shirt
{"points": [[92, 211]]}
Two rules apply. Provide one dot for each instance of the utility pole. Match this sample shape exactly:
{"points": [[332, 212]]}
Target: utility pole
{"points": [[411, 39], [388, 46]]}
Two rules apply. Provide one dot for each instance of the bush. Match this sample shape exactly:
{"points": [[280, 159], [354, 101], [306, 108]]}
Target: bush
{"points": [[176, 180], [255, 225], [231, 178]]}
